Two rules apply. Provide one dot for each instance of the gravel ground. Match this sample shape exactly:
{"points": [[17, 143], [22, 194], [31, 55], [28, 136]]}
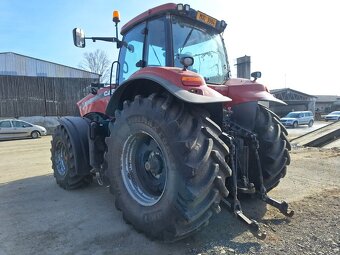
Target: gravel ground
{"points": [[37, 217], [315, 229]]}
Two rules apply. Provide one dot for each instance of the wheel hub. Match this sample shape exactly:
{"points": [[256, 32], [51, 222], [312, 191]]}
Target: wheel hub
{"points": [[143, 169], [60, 159], [154, 164]]}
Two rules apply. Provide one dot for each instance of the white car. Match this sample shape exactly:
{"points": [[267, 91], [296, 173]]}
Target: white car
{"points": [[294, 119], [12, 128], [333, 116]]}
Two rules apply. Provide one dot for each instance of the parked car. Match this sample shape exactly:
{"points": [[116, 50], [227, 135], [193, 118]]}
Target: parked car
{"points": [[12, 128], [294, 119], [333, 116]]}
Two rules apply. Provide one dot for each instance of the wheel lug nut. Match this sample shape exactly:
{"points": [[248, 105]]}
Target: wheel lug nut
{"points": [[147, 166]]}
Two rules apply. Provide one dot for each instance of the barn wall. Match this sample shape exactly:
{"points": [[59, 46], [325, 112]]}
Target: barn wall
{"points": [[41, 96]]}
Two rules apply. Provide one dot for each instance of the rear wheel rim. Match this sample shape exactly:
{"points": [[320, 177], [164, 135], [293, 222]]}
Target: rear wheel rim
{"points": [[60, 158], [144, 169]]}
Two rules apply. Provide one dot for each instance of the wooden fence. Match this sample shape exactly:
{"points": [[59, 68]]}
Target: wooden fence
{"points": [[41, 96]]}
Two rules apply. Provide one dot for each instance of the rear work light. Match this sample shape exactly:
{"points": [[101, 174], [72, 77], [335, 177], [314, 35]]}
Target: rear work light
{"points": [[183, 8]]}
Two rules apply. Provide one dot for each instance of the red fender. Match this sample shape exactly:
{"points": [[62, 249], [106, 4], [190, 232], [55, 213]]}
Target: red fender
{"points": [[244, 90], [95, 103]]}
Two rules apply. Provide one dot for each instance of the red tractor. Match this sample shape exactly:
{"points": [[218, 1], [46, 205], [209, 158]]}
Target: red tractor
{"points": [[175, 135]]}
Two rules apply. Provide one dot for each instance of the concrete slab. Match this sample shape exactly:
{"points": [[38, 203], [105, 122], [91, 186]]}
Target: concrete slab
{"points": [[318, 137]]}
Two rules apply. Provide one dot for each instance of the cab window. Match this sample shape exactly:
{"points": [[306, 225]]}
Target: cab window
{"points": [[155, 49], [131, 53], [205, 46]]}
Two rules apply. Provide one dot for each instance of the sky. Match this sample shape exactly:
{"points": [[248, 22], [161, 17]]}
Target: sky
{"points": [[294, 43]]}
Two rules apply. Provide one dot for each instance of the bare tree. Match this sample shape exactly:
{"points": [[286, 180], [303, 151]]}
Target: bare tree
{"points": [[97, 62]]}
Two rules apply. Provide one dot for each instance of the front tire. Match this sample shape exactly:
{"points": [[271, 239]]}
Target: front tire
{"points": [[63, 162], [35, 134], [165, 163], [310, 124]]}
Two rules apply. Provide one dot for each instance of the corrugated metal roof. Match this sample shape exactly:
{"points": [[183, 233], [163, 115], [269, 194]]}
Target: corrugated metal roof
{"points": [[276, 91], [327, 98], [15, 64]]}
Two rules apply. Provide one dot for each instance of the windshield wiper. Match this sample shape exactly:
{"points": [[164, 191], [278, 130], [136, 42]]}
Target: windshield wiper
{"points": [[186, 40]]}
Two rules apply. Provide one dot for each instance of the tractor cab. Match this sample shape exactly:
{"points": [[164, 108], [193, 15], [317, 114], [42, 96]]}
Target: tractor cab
{"points": [[169, 34]]}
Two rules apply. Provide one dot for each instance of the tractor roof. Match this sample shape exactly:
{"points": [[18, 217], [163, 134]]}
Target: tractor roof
{"points": [[160, 10]]}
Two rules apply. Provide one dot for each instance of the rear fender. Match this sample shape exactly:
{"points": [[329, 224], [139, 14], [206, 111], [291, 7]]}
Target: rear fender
{"points": [[78, 129], [146, 83], [250, 93], [244, 90]]}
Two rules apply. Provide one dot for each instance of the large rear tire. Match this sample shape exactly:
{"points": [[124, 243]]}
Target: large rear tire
{"points": [[63, 162], [273, 151], [166, 165]]}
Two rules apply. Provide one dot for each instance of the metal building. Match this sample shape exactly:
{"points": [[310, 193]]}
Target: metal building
{"points": [[243, 67], [20, 65], [35, 87], [296, 101], [327, 103]]}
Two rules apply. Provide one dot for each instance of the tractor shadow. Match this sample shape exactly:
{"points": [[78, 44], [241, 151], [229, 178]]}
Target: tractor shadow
{"points": [[84, 221], [226, 230]]}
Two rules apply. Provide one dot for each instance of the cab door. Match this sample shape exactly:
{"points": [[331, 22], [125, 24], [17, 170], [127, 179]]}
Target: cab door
{"points": [[156, 43], [144, 45], [131, 57]]}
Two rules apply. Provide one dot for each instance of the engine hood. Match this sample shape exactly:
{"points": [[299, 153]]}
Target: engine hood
{"points": [[240, 81]]}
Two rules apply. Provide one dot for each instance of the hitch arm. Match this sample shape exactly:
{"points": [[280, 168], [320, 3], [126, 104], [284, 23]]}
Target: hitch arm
{"points": [[234, 204], [252, 225], [282, 206]]}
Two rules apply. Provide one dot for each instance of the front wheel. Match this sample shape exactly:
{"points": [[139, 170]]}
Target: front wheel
{"points": [[165, 163], [310, 124], [35, 134], [295, 124]]}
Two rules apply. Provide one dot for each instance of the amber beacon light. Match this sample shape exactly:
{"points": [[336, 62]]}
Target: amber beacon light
{"points": [[115, 16]]}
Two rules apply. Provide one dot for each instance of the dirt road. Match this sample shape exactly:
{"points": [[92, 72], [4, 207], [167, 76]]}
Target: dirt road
{"points": [[37, 217]]}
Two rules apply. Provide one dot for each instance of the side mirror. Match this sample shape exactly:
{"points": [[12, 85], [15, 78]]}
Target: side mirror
{"points": [[256, 75], [79, 37]]}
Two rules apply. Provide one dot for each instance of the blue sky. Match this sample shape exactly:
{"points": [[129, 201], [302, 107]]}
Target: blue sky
{"points": [[294, 43]]}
